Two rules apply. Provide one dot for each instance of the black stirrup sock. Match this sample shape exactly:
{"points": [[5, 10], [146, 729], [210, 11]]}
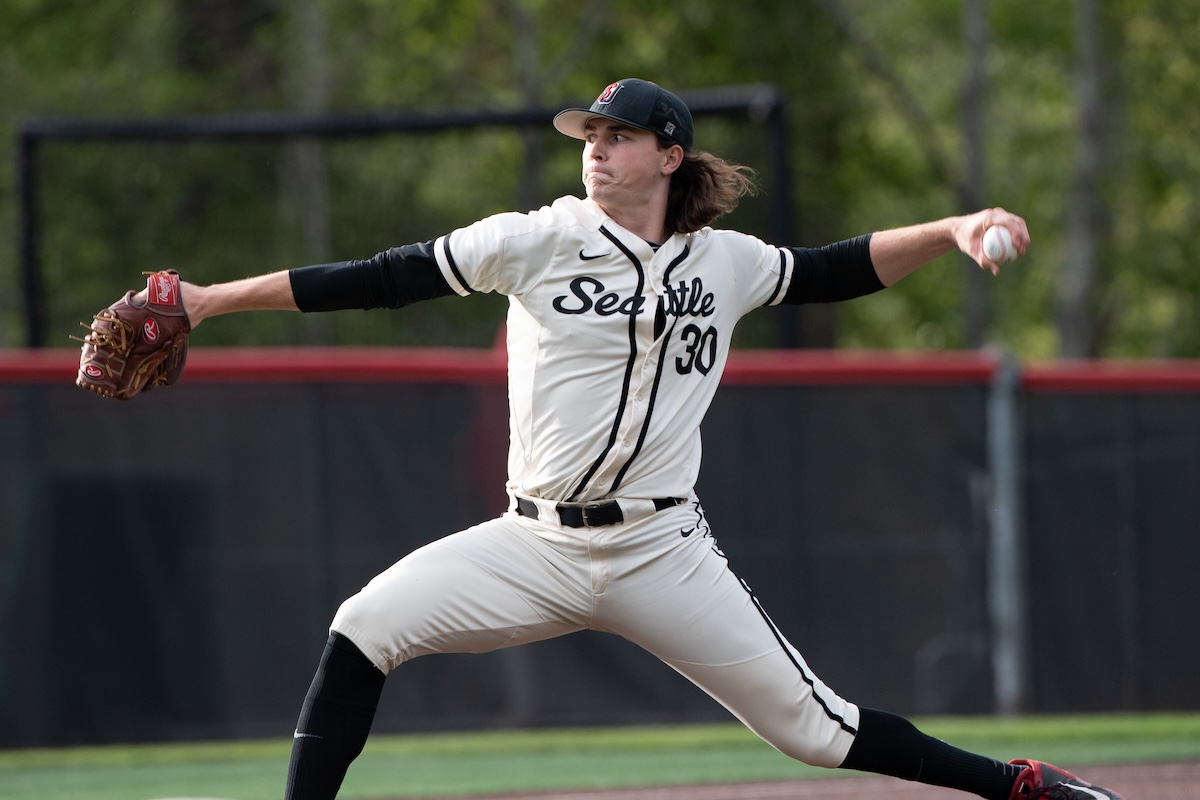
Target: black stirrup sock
{"points": [[334, 721], [887, 744]]}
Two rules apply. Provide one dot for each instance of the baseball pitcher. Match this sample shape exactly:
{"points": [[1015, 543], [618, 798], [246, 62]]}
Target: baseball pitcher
{"points": [[621, 308]]}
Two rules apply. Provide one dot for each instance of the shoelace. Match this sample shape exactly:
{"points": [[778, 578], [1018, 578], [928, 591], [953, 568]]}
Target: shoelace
{"points": [[120, 336]]}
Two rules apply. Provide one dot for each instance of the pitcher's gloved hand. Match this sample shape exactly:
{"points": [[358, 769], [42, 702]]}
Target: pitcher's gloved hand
{"points": [[134, 346]]}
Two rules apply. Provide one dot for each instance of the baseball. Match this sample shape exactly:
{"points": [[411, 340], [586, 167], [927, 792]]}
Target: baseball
{"points": [[998, 246]]}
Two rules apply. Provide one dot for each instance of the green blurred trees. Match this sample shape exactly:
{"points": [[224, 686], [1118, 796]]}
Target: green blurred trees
{"points": [[875, 95]]}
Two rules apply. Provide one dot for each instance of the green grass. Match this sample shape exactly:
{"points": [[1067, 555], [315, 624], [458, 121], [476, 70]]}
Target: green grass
{"points": [[503, 761]]}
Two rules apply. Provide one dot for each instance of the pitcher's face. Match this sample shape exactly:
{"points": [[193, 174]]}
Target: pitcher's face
{"points": [[623, 164]]}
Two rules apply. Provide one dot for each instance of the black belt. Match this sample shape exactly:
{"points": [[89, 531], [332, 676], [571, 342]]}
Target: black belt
{"points": [[591, 515]]}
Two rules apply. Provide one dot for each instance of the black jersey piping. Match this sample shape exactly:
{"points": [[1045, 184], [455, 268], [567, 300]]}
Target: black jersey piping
{"points": [[782, 275], [783, 644], [629, 365], [454, 265], [662, 359]]}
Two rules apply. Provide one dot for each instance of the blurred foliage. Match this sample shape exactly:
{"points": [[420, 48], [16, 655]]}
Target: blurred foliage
{"points": [[223, 210]]}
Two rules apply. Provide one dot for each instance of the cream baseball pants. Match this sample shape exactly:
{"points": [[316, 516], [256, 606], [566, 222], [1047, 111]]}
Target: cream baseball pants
{"points": [[660, 582]]}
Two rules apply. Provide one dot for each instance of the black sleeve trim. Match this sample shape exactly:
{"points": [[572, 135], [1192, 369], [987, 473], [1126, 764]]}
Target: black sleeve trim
{"points": [[778, 283], [454, 265], [838, 271], [392, 279]]}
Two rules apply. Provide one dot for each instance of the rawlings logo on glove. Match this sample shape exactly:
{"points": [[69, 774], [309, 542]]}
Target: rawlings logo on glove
{"points": [[132, 348]]}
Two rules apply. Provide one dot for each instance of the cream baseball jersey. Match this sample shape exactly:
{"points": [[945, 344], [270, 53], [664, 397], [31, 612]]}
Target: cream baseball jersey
{"points": [[615, 347]]}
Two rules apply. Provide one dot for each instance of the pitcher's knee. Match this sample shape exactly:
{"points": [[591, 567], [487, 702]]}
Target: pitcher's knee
{"points": [[355, 612], [819, 737], [358, 620]]}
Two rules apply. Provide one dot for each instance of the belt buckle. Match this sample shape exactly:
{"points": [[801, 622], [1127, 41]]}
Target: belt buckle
{"points": [[593, 507]]}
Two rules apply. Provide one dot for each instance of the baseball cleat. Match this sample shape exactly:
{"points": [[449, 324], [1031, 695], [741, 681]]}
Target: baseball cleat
{"points": [[1042, 781]]}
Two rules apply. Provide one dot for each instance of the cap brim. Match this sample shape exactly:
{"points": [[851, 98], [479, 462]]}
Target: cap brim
{"points": [[570, 121], [573, 121]]}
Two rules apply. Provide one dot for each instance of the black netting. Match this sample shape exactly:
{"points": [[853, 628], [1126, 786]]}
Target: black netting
{"points": [[168, 567]]}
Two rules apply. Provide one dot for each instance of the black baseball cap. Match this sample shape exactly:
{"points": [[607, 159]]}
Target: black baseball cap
{"points": [[635, 102]]}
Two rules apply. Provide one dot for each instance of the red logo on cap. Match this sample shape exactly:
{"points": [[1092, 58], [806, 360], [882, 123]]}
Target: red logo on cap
{"points": [[609, 93], [150, 329]]}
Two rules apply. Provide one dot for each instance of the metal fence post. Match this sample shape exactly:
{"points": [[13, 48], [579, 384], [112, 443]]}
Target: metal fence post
{"points": [[1006, 591], [31, 278]]}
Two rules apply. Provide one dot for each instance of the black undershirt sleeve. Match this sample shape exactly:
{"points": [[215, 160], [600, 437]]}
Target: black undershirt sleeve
{"points": [[392, 279], [838, 271]]}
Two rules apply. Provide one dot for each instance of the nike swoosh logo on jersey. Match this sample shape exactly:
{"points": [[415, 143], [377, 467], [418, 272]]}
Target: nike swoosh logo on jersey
{"points": [[687, 533], [583, 257], [299, 735]]}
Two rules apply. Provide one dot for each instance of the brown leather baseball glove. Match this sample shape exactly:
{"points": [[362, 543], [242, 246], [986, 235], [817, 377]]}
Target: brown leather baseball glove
{"points": [[132, 348]]}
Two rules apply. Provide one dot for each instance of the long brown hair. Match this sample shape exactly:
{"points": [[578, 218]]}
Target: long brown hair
{"points": [[704, 188]]}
